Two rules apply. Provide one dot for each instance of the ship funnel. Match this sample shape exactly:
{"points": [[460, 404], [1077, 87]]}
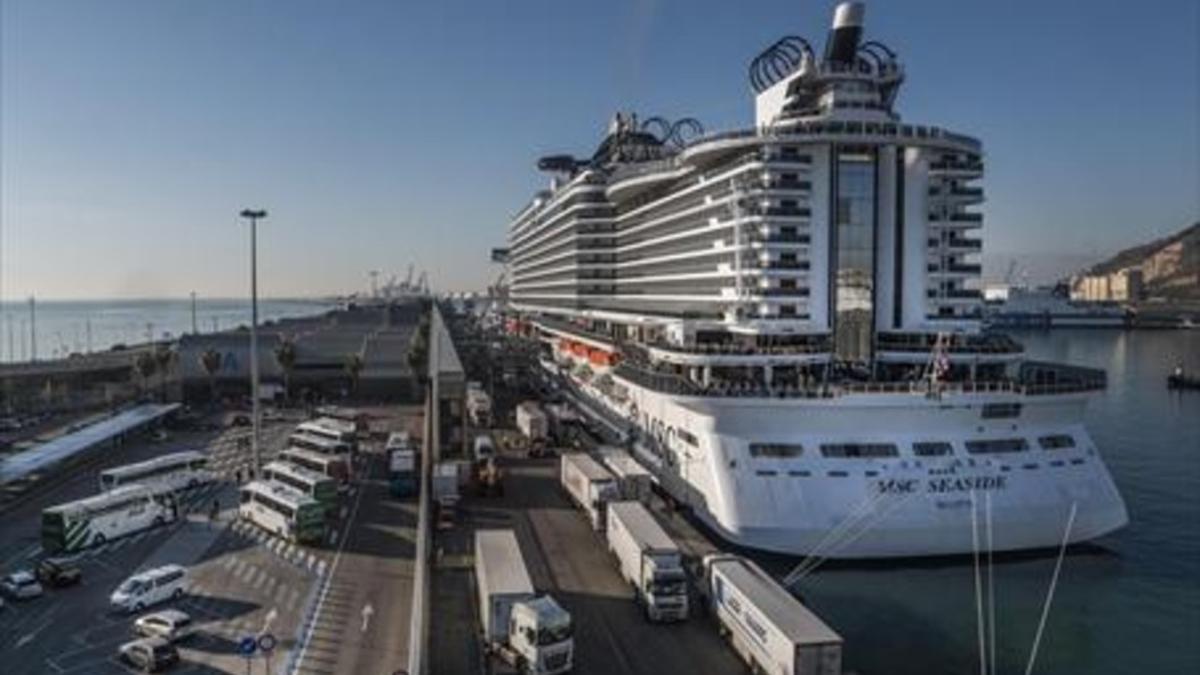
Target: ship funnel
{"points": [[842, 44]]}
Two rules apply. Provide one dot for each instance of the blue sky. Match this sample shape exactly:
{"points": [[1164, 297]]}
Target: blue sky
{"points": [[379, 133]]}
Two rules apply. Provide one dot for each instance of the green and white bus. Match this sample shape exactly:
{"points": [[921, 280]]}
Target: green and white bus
{"points": [[321, 444], [334, 430], [93, 521], [336, 467], [312, 483], [176, 471], [283, 511]]}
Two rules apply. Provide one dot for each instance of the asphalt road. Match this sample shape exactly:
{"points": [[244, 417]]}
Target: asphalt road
{"points": [[571, 562], [362, 609]]}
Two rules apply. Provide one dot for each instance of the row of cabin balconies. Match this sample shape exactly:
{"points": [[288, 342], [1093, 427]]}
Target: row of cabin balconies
{"points": [[957, 243], [654, 201], [559, 206]]}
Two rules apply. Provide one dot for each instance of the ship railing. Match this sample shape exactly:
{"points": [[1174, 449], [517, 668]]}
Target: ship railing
{"points": [[1036, 379]]}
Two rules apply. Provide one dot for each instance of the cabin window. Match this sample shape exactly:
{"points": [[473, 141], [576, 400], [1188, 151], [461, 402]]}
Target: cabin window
{"points": [[932, 448], [998, 445], [993, 411], [1056, 441], [687, 437], [776, 450], [859, 450]]}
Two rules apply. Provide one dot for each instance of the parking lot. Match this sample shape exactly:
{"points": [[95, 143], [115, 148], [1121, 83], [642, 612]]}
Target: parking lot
{"points": [[241, 582]]}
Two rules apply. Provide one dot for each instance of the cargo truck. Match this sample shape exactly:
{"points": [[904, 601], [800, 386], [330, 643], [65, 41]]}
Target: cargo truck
{"points": [[530, 632], [403, 472], [634, 481], [649, 560], [766, 625], [532, 423], [588, 484], [479, 406]]}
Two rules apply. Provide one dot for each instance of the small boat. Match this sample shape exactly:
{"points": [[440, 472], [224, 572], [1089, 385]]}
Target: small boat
{"points": [[1181, 381]]}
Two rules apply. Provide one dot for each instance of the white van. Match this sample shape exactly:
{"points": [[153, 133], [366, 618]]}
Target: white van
{"points": [[148, 588]]}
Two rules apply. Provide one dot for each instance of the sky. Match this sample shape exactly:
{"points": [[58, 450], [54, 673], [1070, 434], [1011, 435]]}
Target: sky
{"points": [[379, 134]]}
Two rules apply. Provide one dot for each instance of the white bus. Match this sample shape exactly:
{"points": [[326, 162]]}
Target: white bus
{"points": [[348, 415], [283, 511], [315, 484], [95, 520], [176, 471], [327, 427], [335, 466], [321, 444]]}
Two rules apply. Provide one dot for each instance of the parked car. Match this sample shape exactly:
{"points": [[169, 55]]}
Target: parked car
{"points": [[57, 574], [240, 421], [170, 624], [149, 654], [22, 585]]}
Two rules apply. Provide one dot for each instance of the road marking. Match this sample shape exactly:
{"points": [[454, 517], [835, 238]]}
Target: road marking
{"points": [[293, 596], [230, 560], [333, 537], [324, 592], [246, 574], [367, 611], [241, 565], [342, 513]]}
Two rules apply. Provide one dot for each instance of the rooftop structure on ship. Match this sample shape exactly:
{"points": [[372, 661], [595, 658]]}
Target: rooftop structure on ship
{"points": [[831, 233]]}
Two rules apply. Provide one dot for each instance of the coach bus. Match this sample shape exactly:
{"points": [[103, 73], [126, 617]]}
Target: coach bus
{"points": [[114, 514], [312, 483], [282, 511], [176, 471]]}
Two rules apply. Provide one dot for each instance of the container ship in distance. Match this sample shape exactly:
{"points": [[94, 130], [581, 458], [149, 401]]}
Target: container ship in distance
{"points": [[784, 321]]}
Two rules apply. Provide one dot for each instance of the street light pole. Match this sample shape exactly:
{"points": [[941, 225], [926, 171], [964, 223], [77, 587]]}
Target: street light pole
{"points": [[253, 216]]}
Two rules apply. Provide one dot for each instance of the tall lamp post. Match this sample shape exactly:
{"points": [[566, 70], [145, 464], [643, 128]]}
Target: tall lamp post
{"points": [[253, 216]]}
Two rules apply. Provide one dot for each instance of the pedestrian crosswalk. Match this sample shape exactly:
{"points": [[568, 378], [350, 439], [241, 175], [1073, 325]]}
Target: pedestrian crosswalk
{"points": [[296, 555]]}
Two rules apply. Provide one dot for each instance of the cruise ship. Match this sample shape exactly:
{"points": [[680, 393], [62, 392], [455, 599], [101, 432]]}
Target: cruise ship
{"points": [[785, 324]]}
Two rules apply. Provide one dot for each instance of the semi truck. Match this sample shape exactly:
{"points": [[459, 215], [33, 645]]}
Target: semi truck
{"points": [[767, 626], [588, 484], [634, 481], [479, 406], [532, 423], [403, 473], [649, 560], [530, 632]]}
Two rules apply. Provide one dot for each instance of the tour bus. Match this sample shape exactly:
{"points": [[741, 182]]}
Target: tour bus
{"points": [[312, 483], [176, 471], [335, 466], [334, 430], [113, 514], [321, 444], [283, 511]]}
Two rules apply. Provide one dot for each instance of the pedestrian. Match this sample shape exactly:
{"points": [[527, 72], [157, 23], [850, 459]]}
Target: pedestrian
{"points": [[237, 475], [216, 510]]}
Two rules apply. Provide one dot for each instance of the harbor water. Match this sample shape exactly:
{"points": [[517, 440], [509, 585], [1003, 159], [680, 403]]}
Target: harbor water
{"points": [[1127, 605], [68, 326]]}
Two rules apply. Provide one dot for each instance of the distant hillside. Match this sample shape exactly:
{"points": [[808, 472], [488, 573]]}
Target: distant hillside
{"points": [[1170, 266]]}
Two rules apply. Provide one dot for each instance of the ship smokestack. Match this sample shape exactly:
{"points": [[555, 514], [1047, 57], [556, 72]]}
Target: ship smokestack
{"points": [[842, 44]]}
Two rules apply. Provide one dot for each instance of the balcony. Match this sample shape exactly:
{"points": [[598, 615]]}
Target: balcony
{"points": [[956, 268], [955, 294], [969, 167]]}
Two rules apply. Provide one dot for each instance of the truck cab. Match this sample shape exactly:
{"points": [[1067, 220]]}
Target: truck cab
{"points": [[665, 590], [540, 632]]}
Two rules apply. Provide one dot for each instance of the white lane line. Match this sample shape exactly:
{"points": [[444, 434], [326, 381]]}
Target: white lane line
{"points": [[244, 577], [280, 591], [237, 570], [293, 596], [230, 560], [324, 590], [259, 578]]}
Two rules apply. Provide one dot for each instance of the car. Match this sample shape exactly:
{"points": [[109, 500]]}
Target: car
{"points": [[240, 421], [149, 654], [22, 585], [148, 588], [170, 624], [58, 574]]}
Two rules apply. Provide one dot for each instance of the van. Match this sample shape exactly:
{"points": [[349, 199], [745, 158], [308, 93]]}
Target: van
{"points": [[149, 588], [169, 624]]}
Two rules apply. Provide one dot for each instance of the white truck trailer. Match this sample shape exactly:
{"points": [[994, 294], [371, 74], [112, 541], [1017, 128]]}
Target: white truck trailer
{"points": [[479, 406], [589, 485], [634, 481], [766, 625], [533, 423], [649, 560], [532, 633]]}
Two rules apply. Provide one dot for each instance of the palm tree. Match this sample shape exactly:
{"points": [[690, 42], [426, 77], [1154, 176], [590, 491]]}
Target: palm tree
{"points": [[210, 360], [145, 363], [164, 358], [353, 366], [285, 356]]}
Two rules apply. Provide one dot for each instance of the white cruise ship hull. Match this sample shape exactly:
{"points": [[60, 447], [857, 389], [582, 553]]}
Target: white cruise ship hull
{"points": [[857, 508]]}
